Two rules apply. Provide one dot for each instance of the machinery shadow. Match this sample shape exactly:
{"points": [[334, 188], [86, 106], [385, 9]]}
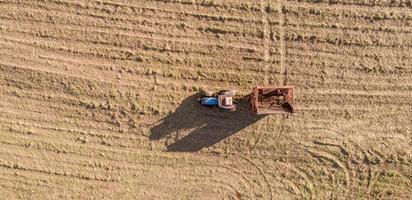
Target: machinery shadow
{"points": [[207, 125]]}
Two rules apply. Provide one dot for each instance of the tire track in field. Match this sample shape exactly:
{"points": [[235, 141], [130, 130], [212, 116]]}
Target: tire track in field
{"points": [[81, 176], [282, 172], [91, 9], [361, 5], [127, 63], [153, 35], [147, 23], [282, 25], [371, 161], [325, 155], [244, 180], [262, 174], [220, 184], [344, 164], [241, 186], [349, 13], [266, 40], [373, 178], [345, 157], [250, 181], [309, 186]]}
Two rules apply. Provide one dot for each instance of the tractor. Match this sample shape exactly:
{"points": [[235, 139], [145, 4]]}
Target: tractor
{"points": [[263, 100]]}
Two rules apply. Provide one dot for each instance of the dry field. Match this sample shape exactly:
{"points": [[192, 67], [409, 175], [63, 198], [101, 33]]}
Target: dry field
{"points": [[97, 99]]}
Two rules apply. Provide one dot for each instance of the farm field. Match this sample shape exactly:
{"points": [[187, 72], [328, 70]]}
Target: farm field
{"points": [[98, 99]]}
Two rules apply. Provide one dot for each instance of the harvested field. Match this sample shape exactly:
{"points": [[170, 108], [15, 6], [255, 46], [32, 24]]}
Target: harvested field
{"points": [[98, 99]]}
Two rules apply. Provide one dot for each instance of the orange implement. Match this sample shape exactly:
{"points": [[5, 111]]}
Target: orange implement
{"points": [[272, 100]]}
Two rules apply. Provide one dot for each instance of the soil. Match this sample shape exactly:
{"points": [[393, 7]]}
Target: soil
{"points": [[98, 99]]}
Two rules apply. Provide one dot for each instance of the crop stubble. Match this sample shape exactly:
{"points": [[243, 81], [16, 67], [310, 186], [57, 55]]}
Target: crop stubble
{"points": [[83, 83]]}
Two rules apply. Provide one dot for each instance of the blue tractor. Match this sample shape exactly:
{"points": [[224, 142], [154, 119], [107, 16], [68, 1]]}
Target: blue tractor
{"points": [[222, 99]]}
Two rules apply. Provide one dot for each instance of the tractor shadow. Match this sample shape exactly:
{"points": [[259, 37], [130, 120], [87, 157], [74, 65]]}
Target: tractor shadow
{"points": [[207, 125]]}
